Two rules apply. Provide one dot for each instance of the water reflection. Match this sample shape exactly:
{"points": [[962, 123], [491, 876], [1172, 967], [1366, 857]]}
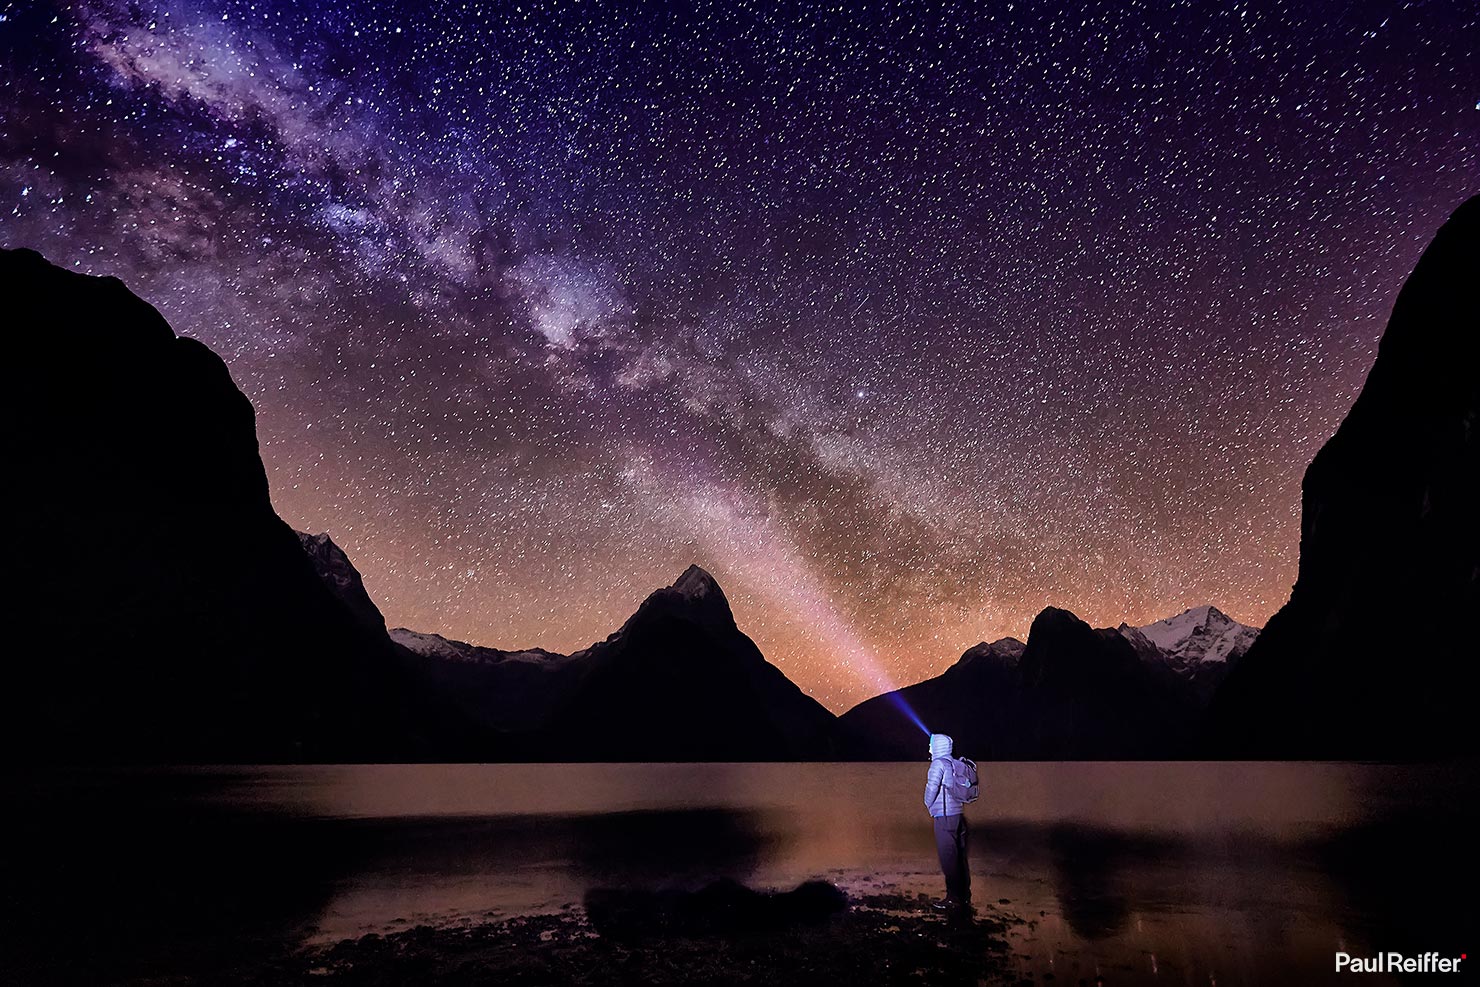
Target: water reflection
{"points": [[1408, 880], [672, 843], [1091, 872], [670, 847], [123, 877], [1120, 868]]}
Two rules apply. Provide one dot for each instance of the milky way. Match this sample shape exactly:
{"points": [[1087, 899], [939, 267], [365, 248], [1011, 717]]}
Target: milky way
{"points": [[905, 321]]}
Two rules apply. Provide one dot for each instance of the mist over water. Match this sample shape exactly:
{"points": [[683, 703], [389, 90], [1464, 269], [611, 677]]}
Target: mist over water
{"points": [[1231, 873]]}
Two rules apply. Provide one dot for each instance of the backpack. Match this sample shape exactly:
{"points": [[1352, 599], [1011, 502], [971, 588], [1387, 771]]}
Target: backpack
{"points": [[963, 783]]}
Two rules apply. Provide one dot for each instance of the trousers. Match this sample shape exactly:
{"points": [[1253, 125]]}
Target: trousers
{"points": [[950, 843]]}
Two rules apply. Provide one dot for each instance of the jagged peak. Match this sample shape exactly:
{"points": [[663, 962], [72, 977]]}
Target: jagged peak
{"points": [[696, 593], [1206, 615], [143, 321], [320, 540], [1006, 650], [1202, 614], [1006, 645], [696, 584], [325, 549], [1197, 635], [398, 633]]}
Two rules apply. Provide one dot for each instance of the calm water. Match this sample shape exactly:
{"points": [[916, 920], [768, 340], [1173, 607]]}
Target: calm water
{"points": [[1185, 873]]}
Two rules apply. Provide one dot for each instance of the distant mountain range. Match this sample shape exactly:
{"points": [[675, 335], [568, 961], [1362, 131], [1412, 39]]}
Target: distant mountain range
{"points": [[1071, 692], [678, 681], [168, 613]]}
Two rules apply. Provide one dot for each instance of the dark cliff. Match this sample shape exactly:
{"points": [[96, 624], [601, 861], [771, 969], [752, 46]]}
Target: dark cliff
{"points": [[168, 614], [1375, 654]]}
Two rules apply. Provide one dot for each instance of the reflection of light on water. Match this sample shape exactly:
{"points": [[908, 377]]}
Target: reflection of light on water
{"points": [[1283, 802], [1236, 832]]}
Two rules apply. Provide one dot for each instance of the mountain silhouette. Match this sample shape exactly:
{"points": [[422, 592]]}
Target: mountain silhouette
{"points": [[1072, 692], [495, 695], [1375, 655], [678, 682], [970, 701], [173, 616], [341, 578], [169, 614]]}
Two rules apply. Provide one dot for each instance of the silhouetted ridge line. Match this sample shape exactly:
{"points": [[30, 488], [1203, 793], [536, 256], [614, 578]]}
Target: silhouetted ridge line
{"points": [[1374, 654], [170, 615]]}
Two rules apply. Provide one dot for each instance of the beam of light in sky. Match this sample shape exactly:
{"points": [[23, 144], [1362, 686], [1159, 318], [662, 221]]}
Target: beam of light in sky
{"points": [[741, 535], [898, 701], [450, 288]]}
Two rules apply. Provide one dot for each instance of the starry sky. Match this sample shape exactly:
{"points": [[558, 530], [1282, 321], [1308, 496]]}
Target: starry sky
{"points": [[904, 320]]}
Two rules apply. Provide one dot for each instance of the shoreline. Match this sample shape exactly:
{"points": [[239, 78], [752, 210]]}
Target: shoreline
{"points": [[883, 937]]}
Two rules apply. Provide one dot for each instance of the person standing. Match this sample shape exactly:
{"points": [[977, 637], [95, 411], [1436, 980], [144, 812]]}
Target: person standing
{"points": [[950, 824]]}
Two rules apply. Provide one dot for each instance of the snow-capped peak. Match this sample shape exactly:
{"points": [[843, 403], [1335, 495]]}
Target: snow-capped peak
{"points": [[432, 645], [1202, 634]]}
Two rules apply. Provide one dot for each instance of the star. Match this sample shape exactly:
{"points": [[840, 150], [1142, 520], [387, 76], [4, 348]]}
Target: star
{"points": [[905, 323]]}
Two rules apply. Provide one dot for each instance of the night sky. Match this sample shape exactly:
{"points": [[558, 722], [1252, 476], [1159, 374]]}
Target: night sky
{"points": [[905, 321]]}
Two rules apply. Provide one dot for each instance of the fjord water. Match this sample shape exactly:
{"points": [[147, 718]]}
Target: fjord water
{"points": [[1226, 873]]}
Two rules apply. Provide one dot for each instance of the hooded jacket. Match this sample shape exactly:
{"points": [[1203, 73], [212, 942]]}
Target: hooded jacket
{"points": [[938, 798]]}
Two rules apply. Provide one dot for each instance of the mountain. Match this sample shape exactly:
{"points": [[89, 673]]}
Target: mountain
{"points": [[495, 693], [341, 577], [969, 701], [1375, 654], [678, 682], [1201, 645], [1086, 693], [1071, 692], [509, 692], [169, 614]]}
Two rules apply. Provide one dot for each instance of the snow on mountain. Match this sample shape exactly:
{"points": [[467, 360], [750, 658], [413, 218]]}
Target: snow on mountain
{"points": [[678, 681], [433, 645], [437, 646], [1193, 637]]}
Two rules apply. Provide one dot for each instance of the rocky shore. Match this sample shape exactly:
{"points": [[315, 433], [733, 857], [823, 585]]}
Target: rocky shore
{"points": [[884, 938]]}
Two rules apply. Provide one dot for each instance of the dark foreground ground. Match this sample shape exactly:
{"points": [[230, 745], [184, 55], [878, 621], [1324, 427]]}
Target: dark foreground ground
{"points": [[877, 939]]}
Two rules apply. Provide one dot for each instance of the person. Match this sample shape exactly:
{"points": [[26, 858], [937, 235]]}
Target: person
{"points": [[950, 825]]}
